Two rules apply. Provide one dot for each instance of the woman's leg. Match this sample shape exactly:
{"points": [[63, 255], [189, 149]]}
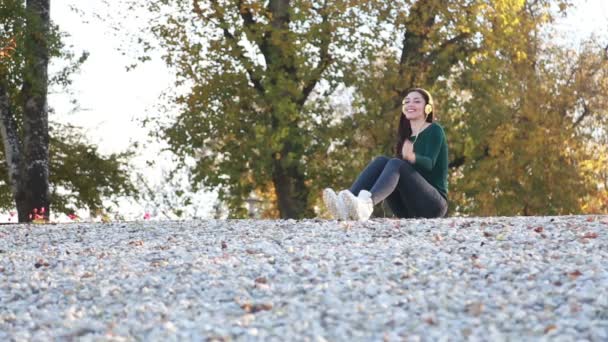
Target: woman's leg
{"points": [[387, 182], [418, 196], [369, 175], [397, 206]]}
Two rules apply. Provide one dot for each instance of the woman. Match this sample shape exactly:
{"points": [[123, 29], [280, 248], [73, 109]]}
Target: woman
{"points": [[414, 183]]}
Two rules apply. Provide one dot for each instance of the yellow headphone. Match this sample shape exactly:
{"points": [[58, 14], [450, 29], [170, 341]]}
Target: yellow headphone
{"points": [[428, 109]]}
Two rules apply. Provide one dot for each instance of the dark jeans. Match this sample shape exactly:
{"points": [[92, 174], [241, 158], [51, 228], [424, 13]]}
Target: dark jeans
{"points": [[407, 193]]}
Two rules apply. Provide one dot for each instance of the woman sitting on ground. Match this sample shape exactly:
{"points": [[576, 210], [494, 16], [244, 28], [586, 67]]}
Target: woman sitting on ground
{"points": [[414, 183]]}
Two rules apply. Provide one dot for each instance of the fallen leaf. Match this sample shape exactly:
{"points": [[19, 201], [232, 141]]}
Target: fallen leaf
{"points": [[538, 229], [590, 219], [253, 308], [224, 245], [261, 280], [159, 263], [475, 309], [41, 263], [487, 234], [575, 274], [590, 235], [430, 320], [550, 328], [136, 243]]}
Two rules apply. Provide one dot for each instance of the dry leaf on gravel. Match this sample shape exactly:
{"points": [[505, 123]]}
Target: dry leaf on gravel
{"points": [[261, 280], [475, 309], [41, 263], [549, 328], [253, 308], [575, 274], [590, 235]]}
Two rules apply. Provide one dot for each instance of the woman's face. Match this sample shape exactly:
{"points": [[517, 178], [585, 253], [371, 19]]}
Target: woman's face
{"points": [[413, 106]]}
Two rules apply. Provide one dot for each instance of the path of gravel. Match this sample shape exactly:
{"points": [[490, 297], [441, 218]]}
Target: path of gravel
{"points": [[451, 279]]}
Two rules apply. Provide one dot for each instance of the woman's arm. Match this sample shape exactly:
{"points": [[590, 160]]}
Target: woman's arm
{"points": [[427, 157]]}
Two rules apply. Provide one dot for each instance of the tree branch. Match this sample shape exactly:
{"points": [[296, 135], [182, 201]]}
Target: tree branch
{"points": [[325, 58], [246, 14], [249, 23], [446, 45], [586, 112], [279, 21], [457, 162], [234, 43]]}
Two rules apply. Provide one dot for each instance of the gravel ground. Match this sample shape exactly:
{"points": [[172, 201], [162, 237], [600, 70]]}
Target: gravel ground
{"points": [[493, 279]]}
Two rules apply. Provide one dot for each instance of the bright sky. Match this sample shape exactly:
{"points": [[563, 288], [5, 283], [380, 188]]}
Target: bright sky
{"points": [[112, 100]]}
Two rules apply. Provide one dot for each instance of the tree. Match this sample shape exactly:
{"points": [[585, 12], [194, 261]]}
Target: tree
{"points": [[252, 69], [28, 159], [481, 60], [32, 40], [532, 153], [261, 79], [509, 128], [584, 101]]}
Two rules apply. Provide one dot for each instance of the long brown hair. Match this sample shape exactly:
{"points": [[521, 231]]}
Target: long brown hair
{"points": [[405, 127]]}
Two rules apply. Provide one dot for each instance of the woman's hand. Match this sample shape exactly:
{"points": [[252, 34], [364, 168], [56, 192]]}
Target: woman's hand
{"points": [[407, 151]]}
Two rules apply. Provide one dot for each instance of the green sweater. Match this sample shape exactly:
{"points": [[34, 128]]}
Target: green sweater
{"points": [[431, 149]]}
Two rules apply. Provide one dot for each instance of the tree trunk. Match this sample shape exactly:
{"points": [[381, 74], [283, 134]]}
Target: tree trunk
{"points": [[12, 145], [291, 191], [35, 161], [289, 181]]}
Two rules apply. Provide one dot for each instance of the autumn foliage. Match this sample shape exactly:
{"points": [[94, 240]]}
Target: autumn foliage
{"points": [[287, 97]]}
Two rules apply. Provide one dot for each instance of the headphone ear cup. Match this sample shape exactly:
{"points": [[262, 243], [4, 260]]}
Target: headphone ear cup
{"points": [[428, 109]]}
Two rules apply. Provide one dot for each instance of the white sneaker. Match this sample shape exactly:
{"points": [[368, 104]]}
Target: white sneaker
{"points": [[345, 212], [359, 208], [334, 205]]}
